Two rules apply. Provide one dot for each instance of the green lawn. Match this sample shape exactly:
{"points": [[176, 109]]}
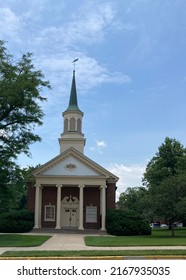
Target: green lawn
{"points": [[159, 237], [21, 240], [93, 253]]}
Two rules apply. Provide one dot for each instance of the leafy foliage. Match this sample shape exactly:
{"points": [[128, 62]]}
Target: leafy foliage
{"points": [[16, 221], [164, 194], [169, 199], [126, 222], [136, 199], [20, 112], [165, 178], [166, 162], [13, 190]]}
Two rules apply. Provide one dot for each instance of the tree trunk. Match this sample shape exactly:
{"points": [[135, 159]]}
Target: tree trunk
{"points": [[172, 229]]}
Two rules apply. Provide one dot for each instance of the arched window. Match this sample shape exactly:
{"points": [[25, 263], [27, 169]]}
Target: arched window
{"points": [[79, 125], [66, 125], [72, 124]]}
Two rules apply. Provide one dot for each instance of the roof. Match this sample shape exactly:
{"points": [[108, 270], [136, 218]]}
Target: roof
{"points": [[57, 166], [73, 103]]}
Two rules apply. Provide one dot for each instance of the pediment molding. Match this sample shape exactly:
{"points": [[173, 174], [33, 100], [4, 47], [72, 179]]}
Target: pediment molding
{"points": [[97, 170], [70, 200]]}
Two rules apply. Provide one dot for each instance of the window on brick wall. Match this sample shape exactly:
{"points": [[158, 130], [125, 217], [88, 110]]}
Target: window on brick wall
{"points": [[49, 212], [91, 214]]}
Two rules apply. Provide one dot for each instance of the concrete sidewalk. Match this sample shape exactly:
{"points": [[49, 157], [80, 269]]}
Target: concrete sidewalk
{"points": [[70, 242]]}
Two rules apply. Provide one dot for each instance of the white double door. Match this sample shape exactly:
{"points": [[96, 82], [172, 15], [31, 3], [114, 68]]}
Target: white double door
{"points": [[69, 217]]}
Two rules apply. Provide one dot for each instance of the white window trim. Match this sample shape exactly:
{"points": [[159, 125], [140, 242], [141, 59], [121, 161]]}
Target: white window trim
{"points": [[91, 217], [49, 219]]}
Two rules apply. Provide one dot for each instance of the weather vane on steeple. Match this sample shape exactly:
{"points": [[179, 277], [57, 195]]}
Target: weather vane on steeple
{"points": [[74, 61]]}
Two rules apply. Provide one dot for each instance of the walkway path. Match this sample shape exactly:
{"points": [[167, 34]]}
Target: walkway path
{"points": [[64, 242]]}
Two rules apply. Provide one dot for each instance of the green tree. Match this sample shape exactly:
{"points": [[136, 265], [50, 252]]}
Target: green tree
{"points": [[13, 194], [136, 199], [20, 98], [21, 86], [169, 199], [166, 162], [165, 178]]}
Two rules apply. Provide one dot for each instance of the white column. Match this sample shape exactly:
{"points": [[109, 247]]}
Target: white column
{"points": [[81, 208], [103, 207], [37, 207], [40, 204], [100, 200], [75, 124], [58, 213]]}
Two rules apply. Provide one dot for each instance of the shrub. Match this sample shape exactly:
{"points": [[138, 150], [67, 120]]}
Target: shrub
{"points": [[126, 222], [16, 221]]}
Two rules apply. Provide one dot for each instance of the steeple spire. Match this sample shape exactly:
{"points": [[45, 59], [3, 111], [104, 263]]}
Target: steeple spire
{"points": [[72, 136], [73, 103]]}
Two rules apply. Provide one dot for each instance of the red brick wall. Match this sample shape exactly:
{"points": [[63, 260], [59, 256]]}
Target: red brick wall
{"points": [[67, 191], [91, 198], [31, 196], [49, 195], [111, 193]]}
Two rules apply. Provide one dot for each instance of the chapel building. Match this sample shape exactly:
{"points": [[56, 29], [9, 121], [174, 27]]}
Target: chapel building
{"points": [[71, 191]]}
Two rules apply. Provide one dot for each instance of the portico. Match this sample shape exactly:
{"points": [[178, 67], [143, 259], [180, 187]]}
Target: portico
{"points": [[70, 210]]}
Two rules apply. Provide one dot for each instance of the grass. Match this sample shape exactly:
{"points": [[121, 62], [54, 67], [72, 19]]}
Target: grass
{"points": [[159, 237], [94, 253], [20, 240]]}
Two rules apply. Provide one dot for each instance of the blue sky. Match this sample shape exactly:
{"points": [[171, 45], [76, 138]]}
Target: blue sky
{"points": [[130, 76]]}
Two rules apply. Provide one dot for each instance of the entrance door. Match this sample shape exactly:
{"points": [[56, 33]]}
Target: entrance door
{"points": [[73, 217], [70, 212], [69, 217]]}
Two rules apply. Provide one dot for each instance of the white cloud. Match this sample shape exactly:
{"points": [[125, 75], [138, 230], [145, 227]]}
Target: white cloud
{"points": [[98, 74], [99, 146], [93, 20], [89, 74], [129, 176], [61, 40], [87, 25], [9, 24]]}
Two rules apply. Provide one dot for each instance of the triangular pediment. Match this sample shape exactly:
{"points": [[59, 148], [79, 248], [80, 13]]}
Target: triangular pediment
{"points": [[70, 166], [72, 163]]}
